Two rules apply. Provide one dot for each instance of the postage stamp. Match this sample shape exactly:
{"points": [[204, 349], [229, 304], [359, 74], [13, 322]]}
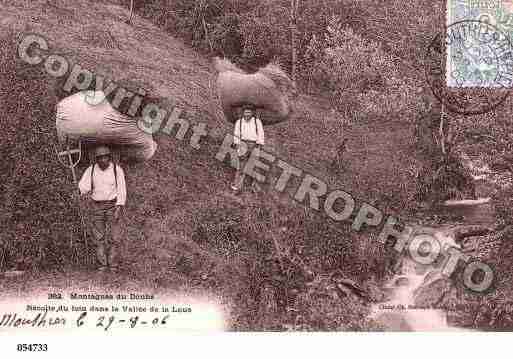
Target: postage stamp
{"points": [[469, 63], [477, 43], [469, 67]]}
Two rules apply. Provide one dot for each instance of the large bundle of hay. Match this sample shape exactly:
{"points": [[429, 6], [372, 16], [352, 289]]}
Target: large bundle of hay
{"points": [[89, 117], [267, 89]]}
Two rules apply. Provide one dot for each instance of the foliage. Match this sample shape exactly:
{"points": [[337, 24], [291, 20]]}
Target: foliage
{"points": [[322, 308], [338, 55], [288, 253], [360, 70]]}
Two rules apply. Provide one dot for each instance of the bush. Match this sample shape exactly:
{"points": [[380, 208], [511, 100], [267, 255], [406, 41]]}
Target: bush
{"points": [[212, 26], [352, 67]]}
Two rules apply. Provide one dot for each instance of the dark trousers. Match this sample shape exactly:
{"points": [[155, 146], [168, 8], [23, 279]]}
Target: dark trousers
{"points": [[241, 161], [104, 230]]}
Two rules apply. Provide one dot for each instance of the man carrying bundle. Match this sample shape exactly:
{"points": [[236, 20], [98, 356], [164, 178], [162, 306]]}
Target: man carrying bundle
{"points": [[250, 131], [105, 181]]}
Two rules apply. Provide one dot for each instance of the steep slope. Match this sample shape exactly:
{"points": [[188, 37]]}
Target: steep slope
{"points": [[183, 229]]}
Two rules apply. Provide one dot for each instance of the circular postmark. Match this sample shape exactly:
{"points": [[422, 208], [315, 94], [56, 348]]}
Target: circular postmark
{"points": [[469, 67]]}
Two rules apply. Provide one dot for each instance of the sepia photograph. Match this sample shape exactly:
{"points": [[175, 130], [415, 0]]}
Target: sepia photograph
{"points": [[262, 166]]}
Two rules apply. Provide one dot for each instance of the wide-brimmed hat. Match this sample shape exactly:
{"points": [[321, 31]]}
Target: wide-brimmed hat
{"points": [[102, 151], [248, 106]]}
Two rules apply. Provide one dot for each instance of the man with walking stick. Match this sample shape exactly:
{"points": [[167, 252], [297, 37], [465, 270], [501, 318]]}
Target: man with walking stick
{"points": [[104, 181]]}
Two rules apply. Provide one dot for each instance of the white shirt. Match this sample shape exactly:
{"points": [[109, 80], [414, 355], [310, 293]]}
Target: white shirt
{"points": [[248, 130], [104, 184]]}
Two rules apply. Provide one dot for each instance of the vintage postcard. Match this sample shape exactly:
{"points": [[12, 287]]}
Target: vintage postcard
{"points": [[254, 166]]}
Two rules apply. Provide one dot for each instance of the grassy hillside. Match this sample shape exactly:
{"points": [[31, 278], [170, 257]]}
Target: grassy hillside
{"points": [[183, 228]]}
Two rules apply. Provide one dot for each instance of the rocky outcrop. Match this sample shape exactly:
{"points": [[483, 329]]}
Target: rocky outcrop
{"points": [[434, 294]]}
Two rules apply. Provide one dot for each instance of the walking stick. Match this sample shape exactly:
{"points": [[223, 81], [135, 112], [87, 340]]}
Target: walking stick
{"points": [[66, 159]]}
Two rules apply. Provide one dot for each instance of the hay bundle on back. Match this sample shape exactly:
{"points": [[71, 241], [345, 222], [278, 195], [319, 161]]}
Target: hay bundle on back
{"points": [[267, 89], [88, 116]]}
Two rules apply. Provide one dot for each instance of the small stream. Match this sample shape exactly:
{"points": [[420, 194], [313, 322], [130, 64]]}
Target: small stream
{"points": [[400, 312]]}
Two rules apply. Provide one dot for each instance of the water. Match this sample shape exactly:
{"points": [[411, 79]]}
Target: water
{"points": [[400, 312]]}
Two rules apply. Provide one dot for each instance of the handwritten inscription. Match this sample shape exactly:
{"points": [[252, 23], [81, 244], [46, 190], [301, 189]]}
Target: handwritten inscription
{"points": [[40, 320], [106, 322], [97, 316], [99, 313], [84, 319]]}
